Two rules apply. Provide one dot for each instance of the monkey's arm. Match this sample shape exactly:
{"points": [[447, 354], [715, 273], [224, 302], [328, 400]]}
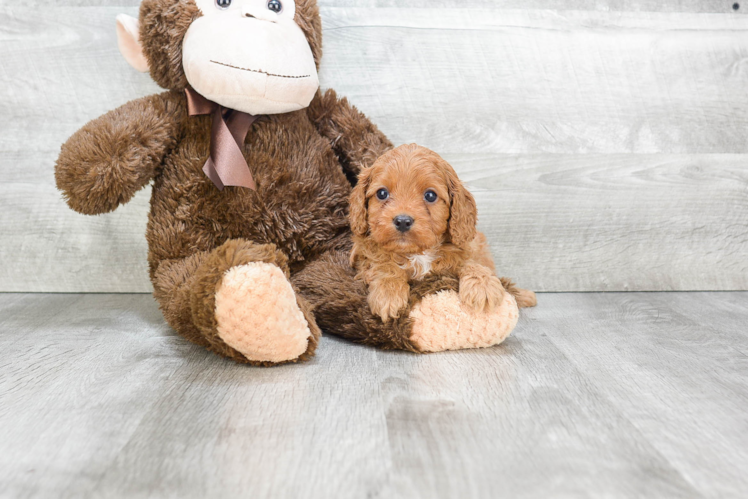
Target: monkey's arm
{"points": [[355, 139], [106, 162]]}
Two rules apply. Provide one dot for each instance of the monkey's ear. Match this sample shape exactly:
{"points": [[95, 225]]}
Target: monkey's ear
{"points": [[359, 210], [128, 39]]}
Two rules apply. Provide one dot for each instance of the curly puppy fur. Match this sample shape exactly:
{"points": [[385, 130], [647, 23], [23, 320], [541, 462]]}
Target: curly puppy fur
{"points": [[304, 163], [414, 184]]}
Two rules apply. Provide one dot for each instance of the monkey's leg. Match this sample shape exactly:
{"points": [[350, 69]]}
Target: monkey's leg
{"points": [[237, 301], [435, 320]]}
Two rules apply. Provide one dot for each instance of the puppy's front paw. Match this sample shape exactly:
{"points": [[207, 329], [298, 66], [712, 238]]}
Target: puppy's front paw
{"points": [[388, 298], [481, 291]]}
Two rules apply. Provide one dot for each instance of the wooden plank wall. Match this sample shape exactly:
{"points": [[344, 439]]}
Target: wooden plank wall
{"points": [[606, 141]]}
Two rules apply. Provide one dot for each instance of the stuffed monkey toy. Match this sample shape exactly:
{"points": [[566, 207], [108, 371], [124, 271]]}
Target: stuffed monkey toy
{"points": [[252, 167]]}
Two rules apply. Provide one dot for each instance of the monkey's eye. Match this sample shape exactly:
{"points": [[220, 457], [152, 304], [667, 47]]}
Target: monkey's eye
{"points": [[430, 196], [223, 4], [275, 6], [383, 194]]}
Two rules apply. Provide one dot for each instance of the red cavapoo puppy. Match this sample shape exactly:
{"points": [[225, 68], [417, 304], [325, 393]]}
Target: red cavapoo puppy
{"points": [[411, 216]]}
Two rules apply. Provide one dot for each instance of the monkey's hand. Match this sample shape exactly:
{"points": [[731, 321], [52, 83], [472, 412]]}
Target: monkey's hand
{"points": [[480, 289], [106, 162], [388, 297]]}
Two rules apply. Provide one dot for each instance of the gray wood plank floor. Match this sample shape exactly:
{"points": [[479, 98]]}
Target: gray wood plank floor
{"points": [[604, 395]]}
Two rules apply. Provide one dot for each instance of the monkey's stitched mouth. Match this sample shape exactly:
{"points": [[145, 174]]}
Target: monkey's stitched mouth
{"points": [[258, 71]]}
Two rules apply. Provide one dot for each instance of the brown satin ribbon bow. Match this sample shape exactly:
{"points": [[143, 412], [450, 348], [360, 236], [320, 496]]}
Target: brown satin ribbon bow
{"points": [[226, 165]]}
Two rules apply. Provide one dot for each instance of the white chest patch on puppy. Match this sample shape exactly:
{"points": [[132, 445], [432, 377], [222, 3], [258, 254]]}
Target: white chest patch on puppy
{"points": [[420, 264]]}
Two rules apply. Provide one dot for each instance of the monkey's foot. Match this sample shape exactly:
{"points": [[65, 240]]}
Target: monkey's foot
{"points": [[258, 314], [442, 323]]}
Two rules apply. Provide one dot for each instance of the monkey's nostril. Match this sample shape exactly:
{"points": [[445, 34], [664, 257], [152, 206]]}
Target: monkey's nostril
{"points": [[403, 223]]}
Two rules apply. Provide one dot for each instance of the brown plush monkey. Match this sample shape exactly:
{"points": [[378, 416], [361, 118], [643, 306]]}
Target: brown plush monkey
{"points": [[252, 168]]}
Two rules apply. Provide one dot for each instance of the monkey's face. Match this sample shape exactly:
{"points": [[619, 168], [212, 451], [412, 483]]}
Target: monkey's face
{"points": [[257, 56], [250, 55]]}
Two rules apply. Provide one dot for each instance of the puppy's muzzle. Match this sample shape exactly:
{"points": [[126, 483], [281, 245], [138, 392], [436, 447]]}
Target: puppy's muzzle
{"points": [[403, 223]]}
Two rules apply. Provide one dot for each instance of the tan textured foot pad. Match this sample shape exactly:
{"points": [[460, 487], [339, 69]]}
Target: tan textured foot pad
{"points": [[258, 316], [442, 323]]}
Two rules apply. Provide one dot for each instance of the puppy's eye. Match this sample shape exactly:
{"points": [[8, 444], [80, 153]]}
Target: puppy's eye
{"points": [[383, 194], [223, 4], [275, 6], [430, 196]]}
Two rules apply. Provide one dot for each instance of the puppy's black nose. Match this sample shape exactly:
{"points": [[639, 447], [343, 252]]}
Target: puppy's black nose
{"points": [[403, 223]]}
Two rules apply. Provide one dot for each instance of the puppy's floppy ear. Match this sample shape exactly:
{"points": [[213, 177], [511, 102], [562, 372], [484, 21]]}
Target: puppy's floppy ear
{"points": [[463, 215], [359, 211]]}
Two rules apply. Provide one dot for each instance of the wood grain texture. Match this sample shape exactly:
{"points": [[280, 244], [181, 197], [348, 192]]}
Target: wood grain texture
{"points": [[621, 124], [714, 6], [594, 395], [614, 222], [508, 81], [601, 5]]}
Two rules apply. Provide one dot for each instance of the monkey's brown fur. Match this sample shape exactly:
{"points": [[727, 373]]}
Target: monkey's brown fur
{"points": [[303, 163]]}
